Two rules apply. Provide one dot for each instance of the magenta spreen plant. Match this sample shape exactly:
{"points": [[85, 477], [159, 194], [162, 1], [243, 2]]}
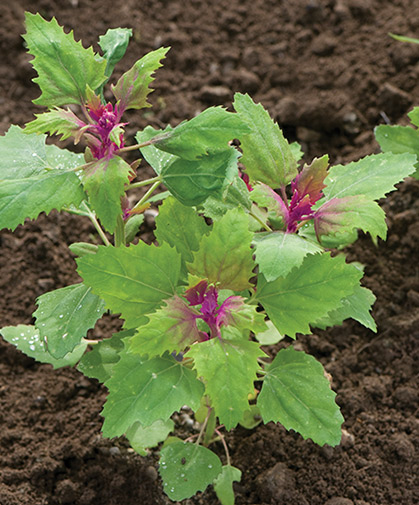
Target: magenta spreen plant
{"points": [[198, 306]]}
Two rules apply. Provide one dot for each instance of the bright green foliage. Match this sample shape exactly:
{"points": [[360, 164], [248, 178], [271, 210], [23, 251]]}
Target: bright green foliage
{"points": [[27, 340], [27, 198], [225, 256], [297, 394], [270, 336], [157, 158], [193, 181], [32, 178], [144, 391], [316, 287], [357, 306], [235, 195], [64, 66], [209, 132], [278, 253], [65, 315], [56, 121], [142, 438], [372, 176], [343, 215], [132, 88], [267, 156], [180, 227], [223, 484], [241, 320], [105, 182], [171, 328], [24, 156], [400, 139], [132, 280], [114, 44], [251, 418], [99, 362], [187, 468], [229, 371]]}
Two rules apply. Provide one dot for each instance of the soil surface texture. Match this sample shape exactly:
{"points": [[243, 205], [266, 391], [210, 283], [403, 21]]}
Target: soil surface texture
{"points": [[328, 72]]}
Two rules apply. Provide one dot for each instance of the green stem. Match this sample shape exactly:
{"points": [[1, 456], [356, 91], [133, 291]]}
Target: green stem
{"points": [[262, 223], [222, 438], [204, 425], [92, 216], [210, 429], [119, 236], [146, 182], [147, 195]]}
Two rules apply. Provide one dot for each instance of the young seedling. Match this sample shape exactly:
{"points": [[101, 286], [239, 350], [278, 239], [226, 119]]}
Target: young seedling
{"points": [[241, 258]]}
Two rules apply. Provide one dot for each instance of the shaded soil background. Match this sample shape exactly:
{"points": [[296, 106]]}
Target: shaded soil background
{"points": [[328, 73]]}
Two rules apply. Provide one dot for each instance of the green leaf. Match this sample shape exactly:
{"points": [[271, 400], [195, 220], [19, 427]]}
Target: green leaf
{"points": [[132, 280], [308, 292], [414, 116], [57, 121], [235, 195], [99, 362], [209, 132], [132, 227], [251, 418], [402, 38], [142, 438], [192, 182], [267, 155], [225, 255], [23, 155], [64, 66], [27, 198], [297, 394], [156, 158], [296, 150], [372, 176], [65, 315], [340, 216], [144, 391], [132, 88], [223, 484], [357, 306], [187, 468], [229, 371], [104, 182], [399, 140], [171, 328], [27, 340], [271, 336], [180, 227], [82, 248], [278, 253], [114, 44]]}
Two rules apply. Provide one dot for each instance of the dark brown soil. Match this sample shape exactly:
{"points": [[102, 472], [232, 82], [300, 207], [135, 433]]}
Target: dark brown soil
{"points": [[328, 72]]}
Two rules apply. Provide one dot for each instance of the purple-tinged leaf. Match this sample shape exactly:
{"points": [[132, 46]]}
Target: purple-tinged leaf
{"points": [[310, 180], [171, 328], [342, 215], [132, 89], [265, 196], [57, 121]]}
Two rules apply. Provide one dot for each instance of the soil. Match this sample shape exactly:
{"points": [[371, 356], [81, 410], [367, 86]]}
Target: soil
{"points": [[328, 73]]}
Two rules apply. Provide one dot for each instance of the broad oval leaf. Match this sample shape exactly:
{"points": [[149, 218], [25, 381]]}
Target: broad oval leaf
{"points": [[145, 391], [296, 393], [308, 292], [65, 315], [132, 280], [187, 468], [27, 340]]}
